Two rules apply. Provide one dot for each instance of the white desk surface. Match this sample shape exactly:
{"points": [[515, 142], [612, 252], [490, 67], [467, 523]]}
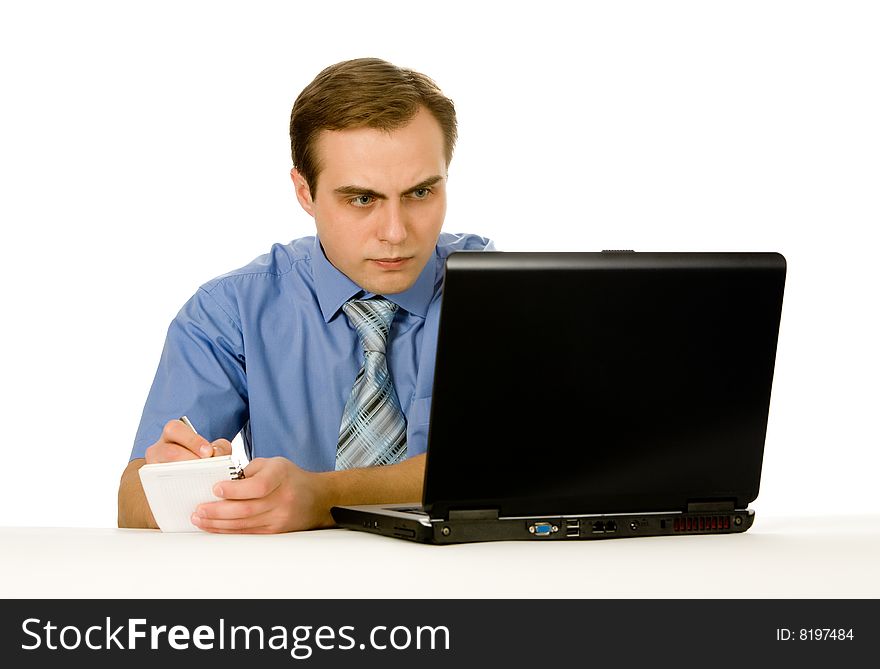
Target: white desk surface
{"points": [[780, 557]]}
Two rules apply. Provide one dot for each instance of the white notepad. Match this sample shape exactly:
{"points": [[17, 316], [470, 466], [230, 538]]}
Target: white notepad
{"points": [[175, 489]]}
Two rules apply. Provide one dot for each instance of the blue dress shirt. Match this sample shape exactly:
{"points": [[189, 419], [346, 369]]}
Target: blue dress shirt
{"points": [[267, 351]]}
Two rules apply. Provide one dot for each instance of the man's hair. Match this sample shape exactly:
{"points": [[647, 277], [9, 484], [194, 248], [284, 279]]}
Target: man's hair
{"points": [[363, 93]]}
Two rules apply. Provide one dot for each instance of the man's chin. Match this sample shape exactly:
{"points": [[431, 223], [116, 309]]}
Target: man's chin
{"points": [[389, 284]]}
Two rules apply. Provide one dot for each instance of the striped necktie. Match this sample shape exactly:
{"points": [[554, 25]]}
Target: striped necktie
{"points": [[373, 430]]}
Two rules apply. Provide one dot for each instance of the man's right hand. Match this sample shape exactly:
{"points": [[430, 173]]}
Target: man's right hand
{"points": [[179, 442]]}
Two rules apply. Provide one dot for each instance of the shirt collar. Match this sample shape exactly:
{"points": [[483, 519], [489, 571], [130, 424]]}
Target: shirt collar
{"points": [[335, 289]]}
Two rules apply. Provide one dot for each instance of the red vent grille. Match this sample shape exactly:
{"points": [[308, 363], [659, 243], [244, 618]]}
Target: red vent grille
{"points": [[701, 523]]}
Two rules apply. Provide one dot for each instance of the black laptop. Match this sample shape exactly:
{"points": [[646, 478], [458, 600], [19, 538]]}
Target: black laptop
{"points": [[593, 396]]}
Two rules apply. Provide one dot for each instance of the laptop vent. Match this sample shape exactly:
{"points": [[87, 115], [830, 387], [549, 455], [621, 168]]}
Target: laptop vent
{"points": [[701, 523]]}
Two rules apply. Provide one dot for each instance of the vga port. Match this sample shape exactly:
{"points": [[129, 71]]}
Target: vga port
{"points": [[543, 529]]}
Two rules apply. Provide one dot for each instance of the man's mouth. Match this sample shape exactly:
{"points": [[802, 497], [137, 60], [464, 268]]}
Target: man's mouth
{"points": [[391, 263]]}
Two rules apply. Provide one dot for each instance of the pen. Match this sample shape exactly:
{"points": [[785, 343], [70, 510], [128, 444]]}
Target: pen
{"points": [[185, 421]]}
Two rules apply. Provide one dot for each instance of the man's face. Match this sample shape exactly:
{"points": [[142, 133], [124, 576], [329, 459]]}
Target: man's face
{"points": [[380, 202]]}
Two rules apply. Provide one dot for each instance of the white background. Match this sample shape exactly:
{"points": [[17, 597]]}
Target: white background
{"points": [[144, 150]]}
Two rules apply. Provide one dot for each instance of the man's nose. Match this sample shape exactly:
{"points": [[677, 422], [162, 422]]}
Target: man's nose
{"points": [[392, 223]]}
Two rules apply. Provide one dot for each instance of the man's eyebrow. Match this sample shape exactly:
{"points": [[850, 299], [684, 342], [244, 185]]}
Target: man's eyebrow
{"points": [[358, 190], [427, 183], [353, 190]]}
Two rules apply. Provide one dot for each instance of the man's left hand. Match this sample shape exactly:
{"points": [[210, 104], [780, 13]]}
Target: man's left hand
{"points": [[275, 496]]}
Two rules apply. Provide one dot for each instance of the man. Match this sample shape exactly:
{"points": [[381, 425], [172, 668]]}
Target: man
{"points": [[321, 351]]}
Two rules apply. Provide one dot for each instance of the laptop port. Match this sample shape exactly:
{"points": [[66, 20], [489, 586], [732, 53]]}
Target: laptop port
{"points": [[598, 527], [610, 526], [572, 528], [543, 529]]}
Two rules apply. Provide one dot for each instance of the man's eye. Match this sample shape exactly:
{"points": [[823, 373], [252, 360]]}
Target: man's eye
{"points": [[421, 193], [362, 200]]}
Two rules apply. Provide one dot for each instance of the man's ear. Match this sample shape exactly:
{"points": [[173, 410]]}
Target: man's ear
{"points": [[303, 192]]}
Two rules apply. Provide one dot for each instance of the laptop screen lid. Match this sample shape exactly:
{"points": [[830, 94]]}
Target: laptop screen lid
{"points": [[570, 383]]}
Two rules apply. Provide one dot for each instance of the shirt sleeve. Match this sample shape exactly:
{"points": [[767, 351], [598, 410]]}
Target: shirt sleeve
{"points": [[201, 375]]}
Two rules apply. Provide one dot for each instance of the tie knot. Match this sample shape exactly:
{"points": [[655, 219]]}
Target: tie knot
{"points": [[372, 320]]}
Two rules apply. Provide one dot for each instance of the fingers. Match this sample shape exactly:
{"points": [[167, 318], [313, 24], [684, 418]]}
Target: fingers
{"points": [[260, 480], [263, 529], [232, 509], [162, 451], [179, 442], [222, 447], [234, 516], [177, 432]]}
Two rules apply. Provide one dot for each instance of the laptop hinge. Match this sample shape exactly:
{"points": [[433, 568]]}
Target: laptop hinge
{"points": [[473, 514], [712, 505]]}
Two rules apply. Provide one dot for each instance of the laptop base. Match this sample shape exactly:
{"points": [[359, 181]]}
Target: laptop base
{"points": [[398, 521]]}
